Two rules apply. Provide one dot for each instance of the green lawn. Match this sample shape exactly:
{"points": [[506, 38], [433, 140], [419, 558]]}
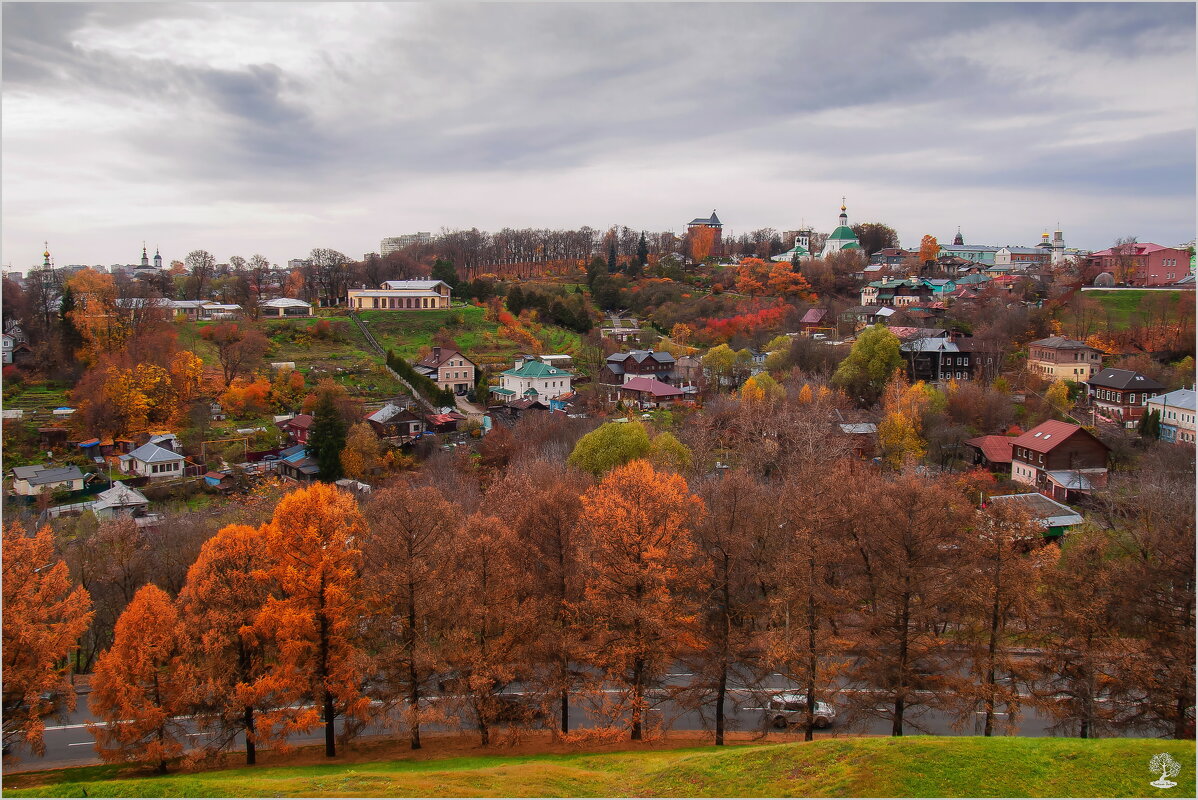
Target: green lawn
{"points": [[1126, 307], [914, 766]]}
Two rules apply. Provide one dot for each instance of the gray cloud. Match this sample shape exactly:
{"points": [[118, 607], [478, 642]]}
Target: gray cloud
{"points": [[890, 95]]}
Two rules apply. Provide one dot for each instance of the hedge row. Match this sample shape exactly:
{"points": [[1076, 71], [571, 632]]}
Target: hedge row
{"points": [[421, 383]]}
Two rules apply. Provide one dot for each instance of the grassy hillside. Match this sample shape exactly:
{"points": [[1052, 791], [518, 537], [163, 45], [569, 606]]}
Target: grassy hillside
{"points": [[407, 332], [865, 767], [1120, 309], [350, 362]]}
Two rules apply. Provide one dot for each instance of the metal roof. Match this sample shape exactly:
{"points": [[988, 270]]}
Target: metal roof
{"points": [[413, 285], [1044, 510], [118, 496], [652, 386], [1061, 343], [286, 302], [1178, 398], [536, 369], [153, 454], [40, 474], [1125, 379]]}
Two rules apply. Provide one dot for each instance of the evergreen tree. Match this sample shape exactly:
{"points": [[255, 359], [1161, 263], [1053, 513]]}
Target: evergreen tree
{"points": [[516, 301], [444, 271], [72, 339], [642, 251], [327, 439], [612, 263], [1150, 425], [596, 269]]}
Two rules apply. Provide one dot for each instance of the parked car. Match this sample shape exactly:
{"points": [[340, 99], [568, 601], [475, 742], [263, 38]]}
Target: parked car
{"points": [[785, 710]]}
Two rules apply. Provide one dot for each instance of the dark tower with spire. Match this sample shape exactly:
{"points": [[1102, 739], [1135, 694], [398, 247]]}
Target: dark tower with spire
{"points": [[157, 259], [958, 240], [145, 259]]}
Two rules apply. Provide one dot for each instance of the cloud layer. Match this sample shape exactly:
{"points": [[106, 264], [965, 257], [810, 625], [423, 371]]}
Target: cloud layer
{"points": [[276, 128]]}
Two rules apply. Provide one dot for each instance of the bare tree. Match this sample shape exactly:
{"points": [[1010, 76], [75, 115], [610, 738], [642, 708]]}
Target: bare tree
{"points": [[201, 264]]}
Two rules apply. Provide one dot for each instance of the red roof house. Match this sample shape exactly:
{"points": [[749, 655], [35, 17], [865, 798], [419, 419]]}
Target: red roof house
{"points": [[649, 391], [298, 428], [992, 452], [1060, 459]]}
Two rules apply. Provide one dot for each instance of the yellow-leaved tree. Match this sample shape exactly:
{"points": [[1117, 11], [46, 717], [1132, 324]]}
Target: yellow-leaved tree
{"points": [[900, 431], [1057, 396], [761, 388]]}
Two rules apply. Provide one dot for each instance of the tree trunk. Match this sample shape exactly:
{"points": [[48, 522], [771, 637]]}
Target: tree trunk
{"points": [[484, 730], [638, 694], [896, 728], [330, 744], [564, 659], [726, 634], [330, 740], [720, 694], [1179, 722], [901, 696], [251, 753], [812, 666], [991, 651], [812, 661], [413, 681]]}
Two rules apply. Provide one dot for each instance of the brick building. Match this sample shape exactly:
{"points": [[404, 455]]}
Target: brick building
{"points": [[1143, 263]]}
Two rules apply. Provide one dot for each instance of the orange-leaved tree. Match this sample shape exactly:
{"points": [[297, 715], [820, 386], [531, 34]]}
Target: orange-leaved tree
{"points": [[316, 606], [43, 620], [407, 551], [785, 281], [642, 552], [929, 249], [141, 684], [219, 606], [702, 242]]}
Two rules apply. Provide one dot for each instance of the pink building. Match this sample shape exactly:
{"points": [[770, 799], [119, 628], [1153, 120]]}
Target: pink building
{"points": [[1144, 264]]}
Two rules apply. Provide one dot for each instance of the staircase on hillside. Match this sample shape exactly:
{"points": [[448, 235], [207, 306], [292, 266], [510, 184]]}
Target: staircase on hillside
{"points": [[378, 348]]}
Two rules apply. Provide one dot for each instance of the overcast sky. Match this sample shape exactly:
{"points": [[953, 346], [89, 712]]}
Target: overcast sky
{"points": [[276, 128]]}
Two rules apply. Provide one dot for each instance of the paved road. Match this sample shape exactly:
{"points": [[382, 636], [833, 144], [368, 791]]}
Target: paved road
{"points": [[69, 743]]}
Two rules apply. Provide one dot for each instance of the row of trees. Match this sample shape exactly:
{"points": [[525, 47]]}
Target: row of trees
{"points": [[569, 585]]}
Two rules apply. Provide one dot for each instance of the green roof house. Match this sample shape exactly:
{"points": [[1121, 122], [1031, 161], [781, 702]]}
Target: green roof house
{"points": [[534, 379]]}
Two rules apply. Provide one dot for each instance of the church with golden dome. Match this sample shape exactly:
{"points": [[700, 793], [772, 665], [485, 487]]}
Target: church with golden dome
{"points": [[843, 237]]}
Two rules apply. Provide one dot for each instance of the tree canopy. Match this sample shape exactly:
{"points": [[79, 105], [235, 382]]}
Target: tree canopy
{"points": [[869, 366]]}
